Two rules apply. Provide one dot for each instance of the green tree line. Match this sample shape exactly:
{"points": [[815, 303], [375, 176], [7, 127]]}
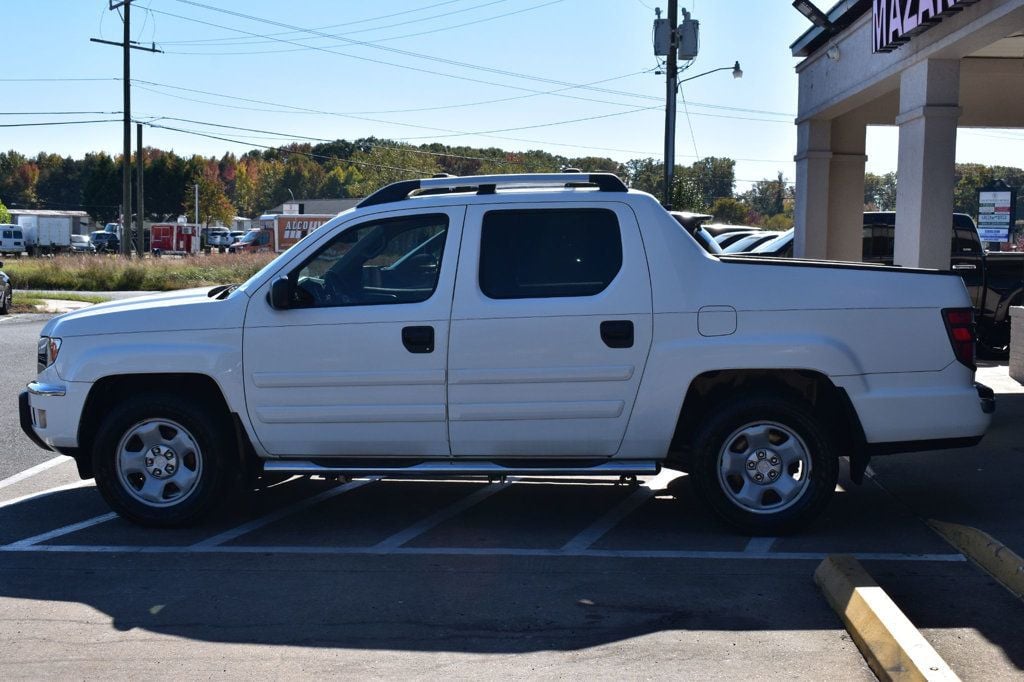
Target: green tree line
{"points": [[257, 180]]}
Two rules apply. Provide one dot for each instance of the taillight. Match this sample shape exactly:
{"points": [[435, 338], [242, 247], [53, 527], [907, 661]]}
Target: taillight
{"points": [[960, 328]]}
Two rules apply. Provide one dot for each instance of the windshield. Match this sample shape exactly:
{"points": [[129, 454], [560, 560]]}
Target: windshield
{"points": [[251, 237], [79, 239]]}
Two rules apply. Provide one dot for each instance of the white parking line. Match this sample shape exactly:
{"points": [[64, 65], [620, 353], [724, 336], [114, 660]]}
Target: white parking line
{"points": [[39, 468], [596, 530], [239, 531], [45, 493], [759, 545], [417, 529], [64, 530], [479, 551]]}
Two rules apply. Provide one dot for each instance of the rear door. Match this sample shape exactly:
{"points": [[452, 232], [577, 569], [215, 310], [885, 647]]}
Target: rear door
{"points": [[551, 326]]}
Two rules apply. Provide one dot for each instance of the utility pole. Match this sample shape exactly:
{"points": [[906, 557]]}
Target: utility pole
{"points": [[671, 73], [197, 209], [126, 163], [126, 166], [140, 238]]}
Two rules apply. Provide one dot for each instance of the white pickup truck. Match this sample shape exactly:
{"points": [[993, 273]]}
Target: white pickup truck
{"points": [[512, 325]]}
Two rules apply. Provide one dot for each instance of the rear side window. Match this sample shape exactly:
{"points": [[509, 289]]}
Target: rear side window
{"points": [[546, 253]]}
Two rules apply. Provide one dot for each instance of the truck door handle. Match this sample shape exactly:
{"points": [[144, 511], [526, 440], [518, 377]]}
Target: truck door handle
{"points": [[418, 339], [965, 266], [617, 333]]}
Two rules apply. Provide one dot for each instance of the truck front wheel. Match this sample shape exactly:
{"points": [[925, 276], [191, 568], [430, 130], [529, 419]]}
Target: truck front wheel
{"points": [[160, 460], [764, 465]]}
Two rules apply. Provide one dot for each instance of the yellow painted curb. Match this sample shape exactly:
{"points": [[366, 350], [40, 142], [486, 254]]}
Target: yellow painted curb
{"points": [[995, 557], [889, 642]]}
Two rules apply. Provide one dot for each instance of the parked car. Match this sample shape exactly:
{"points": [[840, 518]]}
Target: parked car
{"points": [[6, 291], [781, 246], [749, 242], [254, 241], [236, 236], [727, 239], [550, 324], [105, 242], [12, 239], [80, 243], [218, 237]]}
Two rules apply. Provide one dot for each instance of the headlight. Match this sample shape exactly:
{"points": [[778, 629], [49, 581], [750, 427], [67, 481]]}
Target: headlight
{"points": [[46, 352]]}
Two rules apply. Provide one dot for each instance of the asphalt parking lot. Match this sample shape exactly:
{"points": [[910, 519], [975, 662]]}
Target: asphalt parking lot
{"points": [[525, 578]]}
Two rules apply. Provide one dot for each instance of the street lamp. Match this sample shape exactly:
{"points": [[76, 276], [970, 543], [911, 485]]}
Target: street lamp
{"points": [[737, 72], [670, 123]]}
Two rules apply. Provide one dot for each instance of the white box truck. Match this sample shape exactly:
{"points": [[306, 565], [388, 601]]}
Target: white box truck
{"points": [[46, 234]]}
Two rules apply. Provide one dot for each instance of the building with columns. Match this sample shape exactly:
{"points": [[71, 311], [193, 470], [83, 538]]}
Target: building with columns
{"points": [[926, 66]]}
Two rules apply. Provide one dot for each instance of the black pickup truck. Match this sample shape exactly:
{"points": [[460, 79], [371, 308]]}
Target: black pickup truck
{"points": [[995, 280]]}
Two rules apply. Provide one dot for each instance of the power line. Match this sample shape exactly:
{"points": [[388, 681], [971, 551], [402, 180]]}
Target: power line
{"points": [[286, 150], [58, 113], [57, 123], [325, 28], [413, 55], [244, 41], [340, 36], [326, 140]]}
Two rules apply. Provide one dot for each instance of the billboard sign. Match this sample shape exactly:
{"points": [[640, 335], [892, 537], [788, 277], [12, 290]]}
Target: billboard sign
{"points": [[996, 206]]}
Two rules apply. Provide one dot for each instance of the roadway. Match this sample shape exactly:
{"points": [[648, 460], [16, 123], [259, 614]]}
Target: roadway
{"points": [[530, 578]]}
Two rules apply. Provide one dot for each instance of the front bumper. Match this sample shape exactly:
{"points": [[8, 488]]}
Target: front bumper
{"points": [[25, 417]]}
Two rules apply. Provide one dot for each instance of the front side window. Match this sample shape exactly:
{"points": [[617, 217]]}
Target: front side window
{"points": [[382, 262], [546, 253]]}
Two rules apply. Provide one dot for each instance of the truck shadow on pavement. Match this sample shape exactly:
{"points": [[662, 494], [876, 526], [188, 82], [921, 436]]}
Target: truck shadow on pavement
{"points": [[476, 603]]}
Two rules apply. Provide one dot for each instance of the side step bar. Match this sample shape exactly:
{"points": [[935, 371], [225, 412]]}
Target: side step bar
{"points": [[467, 468]]}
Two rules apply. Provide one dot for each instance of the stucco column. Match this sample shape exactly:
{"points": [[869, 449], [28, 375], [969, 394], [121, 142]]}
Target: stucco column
{"points": [[844, 240], [813, 170], [929, 110]]}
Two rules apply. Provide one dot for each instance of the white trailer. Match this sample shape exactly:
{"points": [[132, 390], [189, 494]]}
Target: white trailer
{"points": [[47, 233]]}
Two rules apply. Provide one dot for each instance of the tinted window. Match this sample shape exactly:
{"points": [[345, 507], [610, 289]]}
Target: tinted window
{"points": [[879, 242], [549, 252], [8, 234], [385, 261], [965, 242]]}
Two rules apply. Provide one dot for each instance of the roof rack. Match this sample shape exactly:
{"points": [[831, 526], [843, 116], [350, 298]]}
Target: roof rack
{"points": [[488, 184]]}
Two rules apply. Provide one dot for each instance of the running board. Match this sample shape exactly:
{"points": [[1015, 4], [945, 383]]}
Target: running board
{"points": [[468, 468]]}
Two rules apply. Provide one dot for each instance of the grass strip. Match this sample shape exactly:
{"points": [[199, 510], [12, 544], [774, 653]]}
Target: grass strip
{"points": [[117, 273]]}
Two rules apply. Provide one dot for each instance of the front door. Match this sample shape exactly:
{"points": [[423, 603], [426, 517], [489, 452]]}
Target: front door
{"points": [[551, 327], [356, 365]]}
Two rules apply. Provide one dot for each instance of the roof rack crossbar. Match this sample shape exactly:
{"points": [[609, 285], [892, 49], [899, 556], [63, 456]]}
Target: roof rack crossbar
{"points": [[398, 191]]}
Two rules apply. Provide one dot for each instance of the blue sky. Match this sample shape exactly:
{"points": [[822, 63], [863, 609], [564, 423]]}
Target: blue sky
{"points": [[400, 67]]}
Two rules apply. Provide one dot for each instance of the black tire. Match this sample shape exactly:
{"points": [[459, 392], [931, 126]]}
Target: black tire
{"points": [[6, 297], [210, 458], [789, 426]]}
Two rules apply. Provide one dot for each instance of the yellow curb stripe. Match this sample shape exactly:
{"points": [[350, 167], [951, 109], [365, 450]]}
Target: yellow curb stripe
{"points": [[993, 556], [889, 642]]}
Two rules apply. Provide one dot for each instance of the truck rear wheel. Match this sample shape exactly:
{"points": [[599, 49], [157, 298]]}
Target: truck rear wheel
{"points": [[765, 465], [161, 461]]}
